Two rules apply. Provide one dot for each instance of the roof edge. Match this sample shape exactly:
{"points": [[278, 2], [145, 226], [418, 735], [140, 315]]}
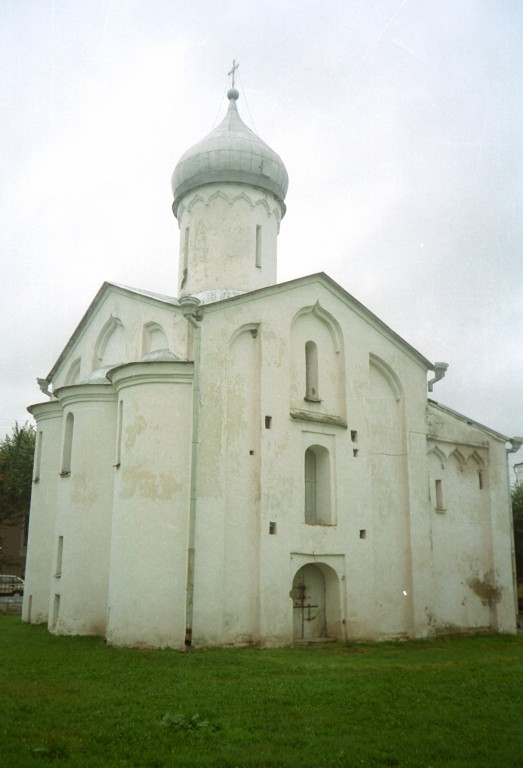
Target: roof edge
{"points": [[469, 421], [102, 291]]}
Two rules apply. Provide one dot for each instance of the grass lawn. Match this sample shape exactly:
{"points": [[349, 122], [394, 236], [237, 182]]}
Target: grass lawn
{"points": [[73, 701]]}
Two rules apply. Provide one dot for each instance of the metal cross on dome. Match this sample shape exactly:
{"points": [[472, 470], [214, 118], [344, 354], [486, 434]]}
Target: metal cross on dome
{"points": [[232, 73]]}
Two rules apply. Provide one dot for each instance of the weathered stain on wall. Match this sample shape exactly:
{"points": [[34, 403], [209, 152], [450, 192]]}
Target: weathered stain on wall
{"points": [[486, 589], [146, 484], [132, 431]]}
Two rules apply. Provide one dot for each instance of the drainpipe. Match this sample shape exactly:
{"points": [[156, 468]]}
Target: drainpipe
{"points": [[440, 369], [515, 445], [189, 306]]}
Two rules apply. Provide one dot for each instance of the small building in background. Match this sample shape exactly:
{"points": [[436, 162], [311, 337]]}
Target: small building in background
{"points": [[13, 548]]}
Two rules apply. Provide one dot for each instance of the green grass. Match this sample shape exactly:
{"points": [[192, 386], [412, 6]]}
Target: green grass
{"points": [[73, 701]]}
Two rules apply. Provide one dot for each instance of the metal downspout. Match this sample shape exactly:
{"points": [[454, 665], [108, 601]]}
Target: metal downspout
{"points": [[440, 369], [189, 306], [515, 445]]}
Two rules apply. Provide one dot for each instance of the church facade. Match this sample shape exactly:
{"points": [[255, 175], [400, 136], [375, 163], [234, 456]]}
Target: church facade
{"points": [[255, 462]]}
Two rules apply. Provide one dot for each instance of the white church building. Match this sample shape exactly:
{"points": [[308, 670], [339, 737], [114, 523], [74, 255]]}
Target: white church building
{"points": [[257, 462]]}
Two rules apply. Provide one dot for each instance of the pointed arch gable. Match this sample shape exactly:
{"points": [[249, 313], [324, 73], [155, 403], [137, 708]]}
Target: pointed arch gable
{"points": [[459, 458], [477, 460], [438, 454], [329, 320], [317, 364]]}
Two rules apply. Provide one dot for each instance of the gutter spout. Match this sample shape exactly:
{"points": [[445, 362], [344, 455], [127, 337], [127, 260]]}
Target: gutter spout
{"points": [[515, 443], [440, 369]]}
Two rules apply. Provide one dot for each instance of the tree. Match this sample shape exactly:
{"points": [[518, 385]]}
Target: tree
{"points": [[16, 473], [517, 516]]}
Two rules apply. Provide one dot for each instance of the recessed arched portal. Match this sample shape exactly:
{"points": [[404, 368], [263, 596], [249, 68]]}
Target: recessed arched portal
{"points": [[315, 603]]}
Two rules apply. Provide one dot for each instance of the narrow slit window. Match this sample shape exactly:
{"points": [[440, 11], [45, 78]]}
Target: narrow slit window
{"points": [[310, 487], [268, 422], [317, 486], [272, 529], [311, 372], [185, 256], [185, 248], [56, 611], [119, 435], [258, 255], [480, 480], [439, 495], [59, 555], [68, 445]]}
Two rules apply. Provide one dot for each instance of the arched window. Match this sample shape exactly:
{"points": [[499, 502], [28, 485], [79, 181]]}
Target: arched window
{"points": [[318, 509], [311, 372], [310, 486], [68, 445]]}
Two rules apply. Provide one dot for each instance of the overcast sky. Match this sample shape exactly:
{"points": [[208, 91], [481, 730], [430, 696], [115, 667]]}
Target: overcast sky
{"points": [[400, 124]]}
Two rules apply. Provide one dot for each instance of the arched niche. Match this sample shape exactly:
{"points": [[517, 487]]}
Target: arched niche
{"points": [[110, 345], [73, 374], [153, 338], [315, 596], [385, 409], [317, 365]]}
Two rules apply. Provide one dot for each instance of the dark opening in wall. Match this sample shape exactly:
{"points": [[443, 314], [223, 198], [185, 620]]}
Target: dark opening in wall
{"points": [[363, 533], [355, 452], [272, 528], [440, 506], [268, 420], [354, 435]]}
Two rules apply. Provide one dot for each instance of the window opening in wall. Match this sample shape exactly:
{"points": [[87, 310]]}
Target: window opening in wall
{"points": [[439, 495], [251, 453], [56, 611], [258, 245], [310, 486], [480, 480], [311, 372], [268, 422], [354, 436], [68, 445], [38, 456], [185, 256], [59, 554], [272, 528], [355, 452], [363, 533], [317, 486], [119, 435]]}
